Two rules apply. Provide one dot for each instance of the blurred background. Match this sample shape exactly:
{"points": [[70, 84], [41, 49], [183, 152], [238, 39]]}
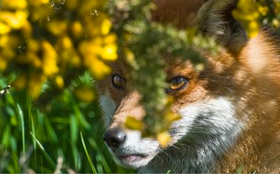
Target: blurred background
{"points": [[50, 52]]}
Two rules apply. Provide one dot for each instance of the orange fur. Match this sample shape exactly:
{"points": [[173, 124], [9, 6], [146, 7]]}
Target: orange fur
{"points": [[249, 76]]}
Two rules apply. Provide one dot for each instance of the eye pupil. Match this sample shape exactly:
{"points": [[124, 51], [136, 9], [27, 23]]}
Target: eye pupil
{"points": [[118, 81], [178, 83]]}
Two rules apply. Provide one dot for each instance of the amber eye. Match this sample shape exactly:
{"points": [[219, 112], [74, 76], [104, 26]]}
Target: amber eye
{"points": [[178, 83], [118, 81]]}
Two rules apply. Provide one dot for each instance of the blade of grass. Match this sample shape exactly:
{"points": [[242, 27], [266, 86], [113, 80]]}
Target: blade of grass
{"points": [[102, 158], [33, 131], [73, 128], [32, 121], [5, 142], [88, 157], [49, 159], [50, 131], [20, 113], [76, 155], [81, 118]]}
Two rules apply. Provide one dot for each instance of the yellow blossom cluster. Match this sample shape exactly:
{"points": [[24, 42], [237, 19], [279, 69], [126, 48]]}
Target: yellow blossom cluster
{"points": [[247, 13], [276, 20], [250, 13], [41, 40]]}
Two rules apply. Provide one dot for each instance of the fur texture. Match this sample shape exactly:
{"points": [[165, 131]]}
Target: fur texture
{"points": [[230, 111]]}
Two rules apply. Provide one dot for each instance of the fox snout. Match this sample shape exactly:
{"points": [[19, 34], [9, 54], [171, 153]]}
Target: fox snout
{"points": [[114, 137], [116, 134], [127, 146]]}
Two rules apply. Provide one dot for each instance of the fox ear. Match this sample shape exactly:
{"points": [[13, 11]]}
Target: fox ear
{"points": [[215, 18], [211, 17]]}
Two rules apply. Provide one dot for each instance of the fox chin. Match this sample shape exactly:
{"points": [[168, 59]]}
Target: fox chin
{"points": [[230, 111]]}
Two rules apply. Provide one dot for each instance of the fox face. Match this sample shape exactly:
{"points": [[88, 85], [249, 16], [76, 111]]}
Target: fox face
{"points": [[228, 113], [209, 124]]}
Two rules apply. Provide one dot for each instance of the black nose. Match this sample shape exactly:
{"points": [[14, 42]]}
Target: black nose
{"points": [[114, 137]]}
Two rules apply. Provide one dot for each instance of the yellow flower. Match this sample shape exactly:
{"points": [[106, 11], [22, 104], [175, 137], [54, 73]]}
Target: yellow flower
{"points": [[75, 59], [38, 2], [276, 23], [163, 138], [263, 10], [66, 43], [111, 38], [247, 13], [96, 47], [33, 45], [109, 52], [35, 83], [171, 117], [97, 67], [14, 20], [3, 64], [57, 27], [253, 28], [4, 40], [84, 94], [4, 28], [77, 29], [106, 26], [26, 30], [43, 1], [133, 124], [59, 82], [14, 4], [49, 61], [93, 47]]}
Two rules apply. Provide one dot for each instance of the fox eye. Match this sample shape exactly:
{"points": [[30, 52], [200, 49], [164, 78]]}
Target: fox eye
{"points": [[118, 81], [178, 83]]}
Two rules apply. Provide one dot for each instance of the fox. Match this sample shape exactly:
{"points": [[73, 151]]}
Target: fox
{"points": [[230, 111]]}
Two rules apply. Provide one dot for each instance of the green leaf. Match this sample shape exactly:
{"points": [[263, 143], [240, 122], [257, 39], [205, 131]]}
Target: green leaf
{"points": [[88, 157]]}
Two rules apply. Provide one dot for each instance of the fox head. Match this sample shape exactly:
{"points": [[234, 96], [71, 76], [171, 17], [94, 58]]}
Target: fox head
{"points": [[218, 105]]}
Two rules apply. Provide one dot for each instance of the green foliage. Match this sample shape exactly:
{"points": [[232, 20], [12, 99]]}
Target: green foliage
{"points": [[33, 139]]}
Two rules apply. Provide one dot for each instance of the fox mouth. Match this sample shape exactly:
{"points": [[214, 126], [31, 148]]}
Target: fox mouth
{"points": [[132, 158]]}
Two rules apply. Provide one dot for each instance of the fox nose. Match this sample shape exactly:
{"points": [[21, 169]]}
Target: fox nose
{"points": [[114, 137]]}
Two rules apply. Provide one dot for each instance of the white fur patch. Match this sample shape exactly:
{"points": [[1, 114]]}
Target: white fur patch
{"points": [[205, 132], [108, 107], [135, 144]]}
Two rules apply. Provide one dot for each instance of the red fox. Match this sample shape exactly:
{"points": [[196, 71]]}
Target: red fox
{"points": [[230, 111]]}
